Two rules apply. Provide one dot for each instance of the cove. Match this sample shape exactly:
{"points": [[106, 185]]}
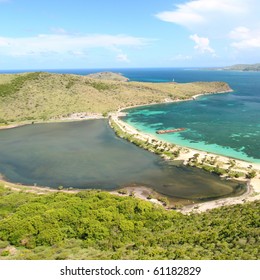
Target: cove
{"points": [[88, 155]]}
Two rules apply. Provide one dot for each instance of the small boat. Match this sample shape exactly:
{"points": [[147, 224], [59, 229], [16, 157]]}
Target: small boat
{"points": [[170, 130]]}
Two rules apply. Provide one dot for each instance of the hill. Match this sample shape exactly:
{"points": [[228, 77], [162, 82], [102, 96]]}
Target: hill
{"points": [[43, 96], [243, 67]]}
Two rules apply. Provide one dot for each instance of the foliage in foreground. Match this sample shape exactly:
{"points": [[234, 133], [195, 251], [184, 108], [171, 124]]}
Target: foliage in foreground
{"points": [[97, 225]]}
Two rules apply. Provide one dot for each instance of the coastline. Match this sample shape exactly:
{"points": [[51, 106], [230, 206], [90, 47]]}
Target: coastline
{"points": [[82, 116], [184, 154]]}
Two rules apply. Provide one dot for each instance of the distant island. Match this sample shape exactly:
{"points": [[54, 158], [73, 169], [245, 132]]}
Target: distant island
{"points": [[240, 67]]}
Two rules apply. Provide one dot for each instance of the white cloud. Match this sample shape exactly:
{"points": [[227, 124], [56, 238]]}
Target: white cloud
{"points": [[240, 32], [202, 44], [199, 12], [250, 43], [245, 38], [181, 17], [233, 25], [3, 41], [62, 44], [122, 58]]}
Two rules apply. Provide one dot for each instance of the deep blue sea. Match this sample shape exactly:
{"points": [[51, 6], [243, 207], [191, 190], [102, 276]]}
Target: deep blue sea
{"points": [[226, 124]]}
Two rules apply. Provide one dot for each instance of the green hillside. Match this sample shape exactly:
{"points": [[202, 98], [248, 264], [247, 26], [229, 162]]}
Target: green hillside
{"points": [[42, 96], [98, 225]]}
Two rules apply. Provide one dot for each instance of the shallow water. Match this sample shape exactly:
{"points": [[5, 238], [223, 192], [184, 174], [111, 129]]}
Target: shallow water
{"points": [[226, 124], [88, 154]]}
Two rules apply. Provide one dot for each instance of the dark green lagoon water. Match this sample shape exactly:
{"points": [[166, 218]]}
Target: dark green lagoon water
{"points": [[87, 154]]}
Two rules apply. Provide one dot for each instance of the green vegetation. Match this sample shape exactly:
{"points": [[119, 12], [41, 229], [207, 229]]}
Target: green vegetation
{"points": [[213, 165], [17, 83], [251, 174], [97, 225], [154, 146], [100, 86], [44, 96]]}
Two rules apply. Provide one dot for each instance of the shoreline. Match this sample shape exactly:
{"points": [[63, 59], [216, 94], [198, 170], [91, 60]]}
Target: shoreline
{"points": [[170, 100], [193, 150], [140, 192], [82, 116], [185, 153]]}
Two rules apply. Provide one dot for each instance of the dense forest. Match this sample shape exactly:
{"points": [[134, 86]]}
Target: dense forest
{"points": [[98, 225]]}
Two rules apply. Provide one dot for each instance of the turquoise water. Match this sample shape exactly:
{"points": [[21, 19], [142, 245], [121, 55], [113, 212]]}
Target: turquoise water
{"points": [[89, 155], [226, 124]]}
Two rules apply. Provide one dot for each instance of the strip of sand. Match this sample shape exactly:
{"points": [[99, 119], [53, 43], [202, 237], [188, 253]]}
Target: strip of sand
{"points": [[185, 154]]}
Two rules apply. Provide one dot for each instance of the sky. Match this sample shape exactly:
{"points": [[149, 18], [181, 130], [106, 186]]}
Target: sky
{"points": [[70, 34]]}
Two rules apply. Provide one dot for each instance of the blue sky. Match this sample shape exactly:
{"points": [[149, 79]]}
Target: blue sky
{"points": [[53, 34]]}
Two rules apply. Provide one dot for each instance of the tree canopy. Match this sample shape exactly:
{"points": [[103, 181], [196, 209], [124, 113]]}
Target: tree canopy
{"points": [[98, 225]]}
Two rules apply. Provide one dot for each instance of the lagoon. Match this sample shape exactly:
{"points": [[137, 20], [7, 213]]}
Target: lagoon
{"points": [[88, 155]]}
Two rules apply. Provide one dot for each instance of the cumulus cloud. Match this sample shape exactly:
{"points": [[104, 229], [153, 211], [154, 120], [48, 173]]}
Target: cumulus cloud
{"points": [[202, 44], [64, 43]]}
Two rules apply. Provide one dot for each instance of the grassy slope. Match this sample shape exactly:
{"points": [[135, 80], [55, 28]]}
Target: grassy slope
{"points": [[41, 96], [97, 225]]}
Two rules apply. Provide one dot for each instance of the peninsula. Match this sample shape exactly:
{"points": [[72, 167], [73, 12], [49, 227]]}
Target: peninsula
{"points": [[41, 96]]}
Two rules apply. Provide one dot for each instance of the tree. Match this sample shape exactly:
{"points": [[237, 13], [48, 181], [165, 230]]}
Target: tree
{"points": [[251, 174]]}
